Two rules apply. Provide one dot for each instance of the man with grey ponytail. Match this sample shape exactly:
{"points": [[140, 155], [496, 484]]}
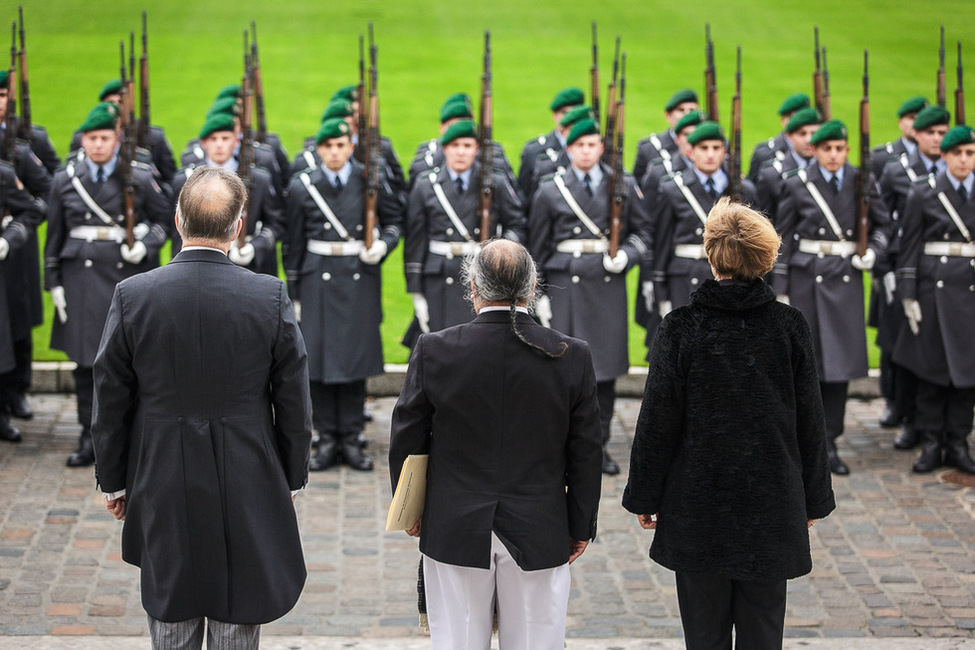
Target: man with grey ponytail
{"points": [[514, 477]]}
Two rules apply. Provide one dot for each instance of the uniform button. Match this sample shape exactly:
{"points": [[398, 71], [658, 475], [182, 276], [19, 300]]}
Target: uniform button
{"points": [[606, 278], [450, 231], [694, 281], [449, 256], [88, 263], [576, 230], [819, 279], [326, 276], [699, 231], [355, 276], [358, 228], [971, 287], [449, 280], [849, 233], [328, 226], [940, 284], [946, 236], [822, 231], [605, 231], [575, 279], [944, 259], [88, 215], [477, 231], [118, 265], [820, 255], [846, 278], [576, 254]]}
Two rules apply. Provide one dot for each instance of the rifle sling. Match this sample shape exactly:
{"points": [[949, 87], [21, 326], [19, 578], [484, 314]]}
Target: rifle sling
{"points": [[323, 206], [955, 217], [449, 209], [86, 197], [691, 199], [576, 208], [834, 225]]}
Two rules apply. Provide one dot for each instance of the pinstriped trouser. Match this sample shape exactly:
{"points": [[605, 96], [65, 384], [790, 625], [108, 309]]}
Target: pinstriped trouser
{"points": [[188, 635]]}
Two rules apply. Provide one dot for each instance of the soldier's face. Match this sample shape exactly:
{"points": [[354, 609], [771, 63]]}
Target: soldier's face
{"points": [[460, 154], [906, 125], [335, 152], [831, 154], [586, 151], [219, 146], [708, 155], [99, 145], [3, 102], [929, 140], [559, 114], [673, 117], [114, 98], [800, 140], [682, 145], [960, 160]]}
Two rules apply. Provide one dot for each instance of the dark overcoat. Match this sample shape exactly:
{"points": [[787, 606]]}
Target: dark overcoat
{"points": [[649, 149], [775, 148]]}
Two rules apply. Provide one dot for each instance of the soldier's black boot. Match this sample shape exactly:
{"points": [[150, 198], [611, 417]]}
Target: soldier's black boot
{"points": [[930, 458], [353, 453], [956, 452], [8, 432], [891, 417], [836, 464], [908, 437], [327, 454], [610, 468], [84, 455], [19, 406]]}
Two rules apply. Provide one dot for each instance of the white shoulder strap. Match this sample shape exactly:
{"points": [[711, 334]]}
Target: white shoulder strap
{"points": [[86, 197], [691, 199], [821, 202], [907, 168], [449, 209], [309, 158], [327, 211], [575, 207], [955, 217]]}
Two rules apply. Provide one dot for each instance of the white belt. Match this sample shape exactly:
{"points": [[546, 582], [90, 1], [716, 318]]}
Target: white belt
{"points": [[99, 233], [690, 251], [583, 246], [453, 248], [334, 248], [838, 248], [952, 248]]}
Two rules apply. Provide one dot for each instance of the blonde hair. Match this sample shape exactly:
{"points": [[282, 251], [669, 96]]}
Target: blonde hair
{"points": [[740, 242]]}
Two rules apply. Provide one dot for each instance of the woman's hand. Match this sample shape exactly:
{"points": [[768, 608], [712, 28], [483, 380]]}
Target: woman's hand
{"points": [[648, 522], [415, 530]]}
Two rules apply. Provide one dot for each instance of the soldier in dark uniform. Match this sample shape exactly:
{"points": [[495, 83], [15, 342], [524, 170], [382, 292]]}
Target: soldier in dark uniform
{"points": [[936, 284], [335, 283], [798, 154], [160, 150], [548, 144], [683, 202], [585, 288], [22, 212], [39, 141], [884, 153], [777, 147], [85, 254], [898, 385], [271, 140], [549, 161], [443, 227], [819, 272], [265, 223], [663, 145]]}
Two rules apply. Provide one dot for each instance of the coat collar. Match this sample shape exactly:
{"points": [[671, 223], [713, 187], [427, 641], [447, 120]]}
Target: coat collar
{"points": [[733, 297], [198, 255]]}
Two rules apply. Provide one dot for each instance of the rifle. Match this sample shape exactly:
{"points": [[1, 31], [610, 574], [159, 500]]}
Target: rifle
{"points": [[960, 93], [258, 86], [126, 151], [372, 161], [486, 143], [10, 116], [362, 118], [821, 79], [245, 163], [144, 140], [942, 94], [734, 156], [594, 76], [710, 76], [608, 138], [617, 179], [26, 133], [863, 175], [827, 104]]}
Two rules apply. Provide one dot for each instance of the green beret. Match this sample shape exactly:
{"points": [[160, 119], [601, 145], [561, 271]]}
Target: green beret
{"points": [[959, 135], [567, 97], [227, 105], [575, 114], [337, 108], [348, 93], [459, 97], [103, 116], [233, 90], [706, 131], [217, 122], [691, 119], [461, 129], [113, 87], [334, 127], [794, 103], [832, 130], [3, 77], [582, 128], [802, 117], [912, 105], [680, 97], [931, 116], [457, 108]]}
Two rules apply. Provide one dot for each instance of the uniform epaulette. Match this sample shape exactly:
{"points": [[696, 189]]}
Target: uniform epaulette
{"points": [[548, 177], [6, 163], [791, 173], [138, 164]]}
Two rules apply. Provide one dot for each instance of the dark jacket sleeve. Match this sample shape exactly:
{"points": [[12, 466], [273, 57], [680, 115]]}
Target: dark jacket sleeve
{"points": [[293, 245], [412, 421], [583, 475], [290, 395], [911, 242], [26, 211], [57, 233], [509, 210]]}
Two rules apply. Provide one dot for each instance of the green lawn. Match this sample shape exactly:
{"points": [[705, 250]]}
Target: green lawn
{"points": [[431, 49]]}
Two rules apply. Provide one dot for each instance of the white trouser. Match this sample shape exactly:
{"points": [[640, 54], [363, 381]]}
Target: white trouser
{"points": [[531, 604]]}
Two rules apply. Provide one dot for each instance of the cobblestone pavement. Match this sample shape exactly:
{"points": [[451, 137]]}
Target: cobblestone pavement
{"points": [[897, 558]]}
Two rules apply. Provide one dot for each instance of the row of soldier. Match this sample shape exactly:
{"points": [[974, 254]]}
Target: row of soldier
{"points": [[919, 247]]}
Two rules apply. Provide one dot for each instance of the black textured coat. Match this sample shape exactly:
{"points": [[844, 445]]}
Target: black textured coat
{"points": [[730, 445]]}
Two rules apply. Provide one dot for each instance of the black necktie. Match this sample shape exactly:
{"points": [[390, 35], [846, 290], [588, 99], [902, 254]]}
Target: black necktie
{"points": [[101, 175], [963, 193], [459, 182], [587, 180], [338, 183], [709, 185], [835, 183]]}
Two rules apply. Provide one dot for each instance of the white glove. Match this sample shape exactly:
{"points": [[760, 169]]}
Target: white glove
{"points": [[4, 248], [375, 253], [422, 311], [543, 309], [664, 307], [647, 290], [890, 286], [912, 309], [60, 304], [297, 305], [135, 254], [241, 256], [140, 230], [866, 262], [616, 264], [783, 298]]}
